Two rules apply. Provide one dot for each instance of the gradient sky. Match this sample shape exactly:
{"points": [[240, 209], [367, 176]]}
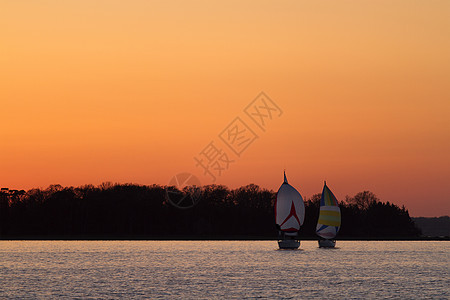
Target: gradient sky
{"points": [[131, 91]]}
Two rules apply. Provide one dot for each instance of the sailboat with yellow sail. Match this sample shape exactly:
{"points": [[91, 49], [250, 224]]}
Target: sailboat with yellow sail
{"points": [[329, 220]]}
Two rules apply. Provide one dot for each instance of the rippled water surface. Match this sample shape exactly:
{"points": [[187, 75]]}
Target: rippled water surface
{"points": [[223, 269]]}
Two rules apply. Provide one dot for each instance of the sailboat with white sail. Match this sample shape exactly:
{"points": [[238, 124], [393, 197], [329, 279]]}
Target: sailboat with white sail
{"points": [[329, 220], [289, 215]]}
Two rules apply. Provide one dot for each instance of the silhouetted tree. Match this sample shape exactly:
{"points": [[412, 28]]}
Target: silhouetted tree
{"points": [[363, 200], [128, 210]]}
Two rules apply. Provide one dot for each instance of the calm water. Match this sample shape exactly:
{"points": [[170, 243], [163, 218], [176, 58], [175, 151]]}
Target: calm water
{"points": [[223, 269]]}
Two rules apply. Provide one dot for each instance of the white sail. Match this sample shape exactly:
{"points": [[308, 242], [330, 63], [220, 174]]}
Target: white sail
{"points": [[289, 208]]}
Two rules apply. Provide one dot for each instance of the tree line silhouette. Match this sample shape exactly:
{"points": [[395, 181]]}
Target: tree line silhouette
{"points": [[139, 211]]}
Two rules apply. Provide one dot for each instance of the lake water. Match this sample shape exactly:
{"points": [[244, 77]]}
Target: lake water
{"points": [[223, 269]]}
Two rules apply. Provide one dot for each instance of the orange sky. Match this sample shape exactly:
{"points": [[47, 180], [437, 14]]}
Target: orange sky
{"points": [[131, 91]]}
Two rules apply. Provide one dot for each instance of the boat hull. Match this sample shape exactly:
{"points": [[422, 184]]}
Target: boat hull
{"points": [[288, 244], [327, 243]]}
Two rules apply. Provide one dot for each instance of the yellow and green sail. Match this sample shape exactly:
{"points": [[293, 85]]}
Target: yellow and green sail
{"points": [[329, 216]]}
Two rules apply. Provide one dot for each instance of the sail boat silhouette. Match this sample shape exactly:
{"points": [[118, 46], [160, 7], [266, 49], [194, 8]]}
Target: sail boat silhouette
{"points": [[329, 220], [289, 215]]}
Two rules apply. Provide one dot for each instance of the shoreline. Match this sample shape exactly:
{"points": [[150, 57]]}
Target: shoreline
{"points": [[205, 238]]}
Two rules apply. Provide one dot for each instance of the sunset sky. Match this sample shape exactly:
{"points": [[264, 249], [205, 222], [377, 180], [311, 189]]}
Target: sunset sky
{"points": [[132, 91]]}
